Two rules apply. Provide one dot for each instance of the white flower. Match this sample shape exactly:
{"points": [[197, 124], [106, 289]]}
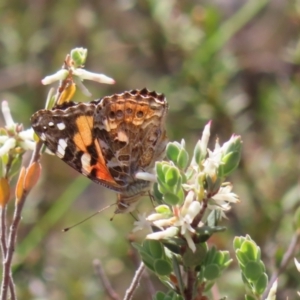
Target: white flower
{"points": [[86, 75], [141, 223], [182, 219], [159, 235], [213, 161], [59, 75], [205, 137], [223, 199], [145, 176], [224, 194], [9, 144], [16, 137]]}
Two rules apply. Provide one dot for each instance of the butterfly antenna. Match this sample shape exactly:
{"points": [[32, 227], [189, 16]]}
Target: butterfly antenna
{"points": [[89, 217]]}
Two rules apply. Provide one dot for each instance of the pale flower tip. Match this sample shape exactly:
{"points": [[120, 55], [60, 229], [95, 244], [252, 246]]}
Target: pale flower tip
{"points": [[169, 232], [87, 75], [60, 75], [6, 113]]}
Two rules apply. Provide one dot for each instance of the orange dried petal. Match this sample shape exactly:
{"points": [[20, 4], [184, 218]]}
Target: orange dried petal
{"points": [[20, 184], [32, 176], [4, 191]]}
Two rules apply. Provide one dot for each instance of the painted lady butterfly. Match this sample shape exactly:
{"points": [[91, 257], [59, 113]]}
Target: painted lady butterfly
{"points": [[109, 140]]}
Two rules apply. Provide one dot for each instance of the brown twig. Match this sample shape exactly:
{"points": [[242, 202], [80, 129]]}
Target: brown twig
{"points": [[11, 246], [135, 282], [3, 243], [8, 247], [105, 282], [191, 280], [289, 254], [146, 278]]}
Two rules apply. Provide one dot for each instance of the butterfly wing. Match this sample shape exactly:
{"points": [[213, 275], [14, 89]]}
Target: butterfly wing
{"points": [[130, 130], [67, 130]]}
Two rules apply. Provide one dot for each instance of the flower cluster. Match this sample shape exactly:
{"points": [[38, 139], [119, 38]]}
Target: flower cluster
{"points": [[193, 195], [14, 140]]}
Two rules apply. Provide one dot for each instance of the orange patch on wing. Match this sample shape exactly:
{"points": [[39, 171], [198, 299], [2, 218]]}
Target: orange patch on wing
{"points": [[84, 137], [101, 170]]}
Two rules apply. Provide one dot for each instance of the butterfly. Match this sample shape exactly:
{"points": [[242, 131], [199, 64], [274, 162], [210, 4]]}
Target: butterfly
{"points": [[109, 140]]}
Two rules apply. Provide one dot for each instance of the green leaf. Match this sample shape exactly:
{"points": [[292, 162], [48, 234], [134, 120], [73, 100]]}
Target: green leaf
{"points": [[172, 176], [171, 199], [159, 296], [249, 248], [211, 272], [237, 242], [162, 267], [172, 151], [242, 257], [261, 284], [156, 249], [182, 159], [253, 270], [156, 193], [147, 260], [192, 259], [159, 171], [229, 163]]}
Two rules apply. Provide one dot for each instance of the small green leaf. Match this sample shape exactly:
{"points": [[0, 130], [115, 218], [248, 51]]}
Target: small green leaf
{"points": [[171, 199], [242, 258], [182, 159], [261, 284], [162, 267], [211, 272], [156, 249], [237, 242], [249, 248], [163, 209], [172, 151], [229, 163], [79, 56], [159, 296], [159, 171], [172, 176], [253, 270], [157, 194], [191, 259]]}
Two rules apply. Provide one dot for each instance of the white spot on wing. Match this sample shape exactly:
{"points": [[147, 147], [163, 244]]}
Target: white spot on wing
{"points": [[61, 147], [122, 136], [61, 126], [85, 161], [51, 124], [43, 137]]}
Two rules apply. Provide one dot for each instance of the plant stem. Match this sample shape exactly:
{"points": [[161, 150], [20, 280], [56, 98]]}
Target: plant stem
{"points": [[191, 280], [135, 282], [105, 282], [289, 254], [11, 246]]}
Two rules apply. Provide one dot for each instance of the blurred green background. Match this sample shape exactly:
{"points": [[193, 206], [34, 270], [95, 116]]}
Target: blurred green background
{"points": [[233, 62]]}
